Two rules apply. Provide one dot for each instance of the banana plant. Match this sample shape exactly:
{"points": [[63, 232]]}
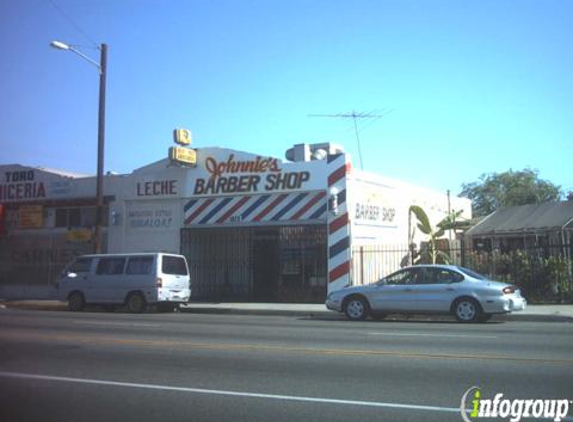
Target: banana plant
{"points": [[433, 233], [453, 222]]}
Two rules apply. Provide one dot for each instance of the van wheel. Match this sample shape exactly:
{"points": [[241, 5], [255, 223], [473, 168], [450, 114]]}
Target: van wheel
{"points": [[135, 303], [76, 302]]}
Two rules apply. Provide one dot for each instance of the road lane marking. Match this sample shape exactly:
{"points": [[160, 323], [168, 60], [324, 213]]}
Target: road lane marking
{"points": [[242, 394], [16, 335], [431, 335], [245, 394], [117, 324]]}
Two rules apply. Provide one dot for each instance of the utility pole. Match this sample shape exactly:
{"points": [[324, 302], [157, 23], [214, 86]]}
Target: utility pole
{"points": [[373, 115], [102, 68]]}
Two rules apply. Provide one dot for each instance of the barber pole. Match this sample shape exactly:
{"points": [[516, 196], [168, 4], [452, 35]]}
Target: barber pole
{"points": [[339, 252]]}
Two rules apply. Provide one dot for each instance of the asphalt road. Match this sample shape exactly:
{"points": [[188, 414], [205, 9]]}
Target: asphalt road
{"points": [[96, 366]]}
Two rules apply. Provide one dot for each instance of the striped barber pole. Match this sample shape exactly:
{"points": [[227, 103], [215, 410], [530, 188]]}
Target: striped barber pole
{"points": [[278, 207], [339, 252]]}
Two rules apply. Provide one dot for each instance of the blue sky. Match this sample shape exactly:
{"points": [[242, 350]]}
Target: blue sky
{"points": [[475, 86]]}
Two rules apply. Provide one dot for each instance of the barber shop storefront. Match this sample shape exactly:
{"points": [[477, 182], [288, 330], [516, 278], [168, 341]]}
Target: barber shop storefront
{"points": [[252, 228]]}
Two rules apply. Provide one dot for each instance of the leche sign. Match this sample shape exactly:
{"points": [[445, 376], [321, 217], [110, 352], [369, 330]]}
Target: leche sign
{"points": [[156, 188], [247, 176]]}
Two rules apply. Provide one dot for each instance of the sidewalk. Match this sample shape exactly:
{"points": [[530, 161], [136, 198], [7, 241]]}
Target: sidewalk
{"points": [[540, 313]]}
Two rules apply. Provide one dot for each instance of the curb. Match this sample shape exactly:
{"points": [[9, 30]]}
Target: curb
{"points": [[337, 316], [34, 305], [262, 312], [194, 309], [534, 318]]}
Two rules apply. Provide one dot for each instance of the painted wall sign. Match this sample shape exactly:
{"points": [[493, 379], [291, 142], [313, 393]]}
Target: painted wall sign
{"points": [[374, 209], [60, 188], [374, 213], [151, 218], [79, 235], [31, 216], [247, 176], [21, 185], [156, 188]]}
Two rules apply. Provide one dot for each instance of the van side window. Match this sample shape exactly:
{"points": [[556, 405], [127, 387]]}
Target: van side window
{"points": [[82, 265], [139, 265], [110, 266], [173, 265]]}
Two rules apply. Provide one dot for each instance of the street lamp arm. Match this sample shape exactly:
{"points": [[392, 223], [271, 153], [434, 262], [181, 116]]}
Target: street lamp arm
{"points": [[63, 46]]}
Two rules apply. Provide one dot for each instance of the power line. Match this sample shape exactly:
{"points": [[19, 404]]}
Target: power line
{"points": [[73, 23], [373, 115]]}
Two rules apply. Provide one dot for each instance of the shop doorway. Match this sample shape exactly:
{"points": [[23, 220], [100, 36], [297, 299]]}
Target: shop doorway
{"points": [[266, 265], [259, 264]]}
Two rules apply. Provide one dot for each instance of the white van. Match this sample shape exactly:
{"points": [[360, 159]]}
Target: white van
{"points": [[134, 280]]}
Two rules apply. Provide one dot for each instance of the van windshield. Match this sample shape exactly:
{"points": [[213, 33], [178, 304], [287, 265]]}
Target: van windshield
{"points": [[82, 265], [173, 265]]}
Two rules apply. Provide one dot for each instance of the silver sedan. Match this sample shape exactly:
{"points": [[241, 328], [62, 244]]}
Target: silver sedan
{"points": [[439, 289]]}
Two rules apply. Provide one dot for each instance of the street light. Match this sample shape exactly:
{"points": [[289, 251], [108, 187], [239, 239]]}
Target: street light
{"points": [[102, 67]]}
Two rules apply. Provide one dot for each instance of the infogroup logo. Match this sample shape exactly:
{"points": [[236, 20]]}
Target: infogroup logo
{"points": [[473, 406]]}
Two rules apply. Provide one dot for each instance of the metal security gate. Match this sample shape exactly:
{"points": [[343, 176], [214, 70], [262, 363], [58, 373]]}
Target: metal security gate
{"points": [[264, 264], [220, 263]]}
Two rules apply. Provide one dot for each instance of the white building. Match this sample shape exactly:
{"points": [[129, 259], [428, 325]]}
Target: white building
{"points": [[252, 228]]}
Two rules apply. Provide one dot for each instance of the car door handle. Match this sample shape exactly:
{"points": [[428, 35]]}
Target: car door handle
{"points": [[450, 289], [408, 289]]}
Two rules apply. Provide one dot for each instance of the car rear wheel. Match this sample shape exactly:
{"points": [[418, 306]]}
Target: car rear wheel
{"points": [[356, 308], [76, 302], [467, 310], [135, 303]]}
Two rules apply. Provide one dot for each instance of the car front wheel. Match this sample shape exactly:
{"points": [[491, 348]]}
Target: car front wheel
{"points": [[467, 310], [356, 308]]}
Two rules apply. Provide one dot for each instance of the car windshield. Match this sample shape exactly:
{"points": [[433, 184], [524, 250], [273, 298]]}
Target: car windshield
{"points": [[472, 274]]}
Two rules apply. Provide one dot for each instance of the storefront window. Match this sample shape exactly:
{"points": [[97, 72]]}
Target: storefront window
{"points": [[79, 217]]}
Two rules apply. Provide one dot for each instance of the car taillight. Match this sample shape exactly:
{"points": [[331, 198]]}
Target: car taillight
{"points": [[509, 290], [158, 282]]}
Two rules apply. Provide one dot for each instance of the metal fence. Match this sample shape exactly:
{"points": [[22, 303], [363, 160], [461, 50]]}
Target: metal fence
{"points": [[545, 274], [31, 262]]}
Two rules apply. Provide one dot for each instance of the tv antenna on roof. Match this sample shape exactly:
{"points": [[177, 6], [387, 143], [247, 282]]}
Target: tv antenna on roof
{"points": [[373, 115]]}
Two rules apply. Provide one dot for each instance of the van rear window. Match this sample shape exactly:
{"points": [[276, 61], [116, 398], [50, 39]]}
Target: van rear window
{"points": [[139, 265], [173, 265]]}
